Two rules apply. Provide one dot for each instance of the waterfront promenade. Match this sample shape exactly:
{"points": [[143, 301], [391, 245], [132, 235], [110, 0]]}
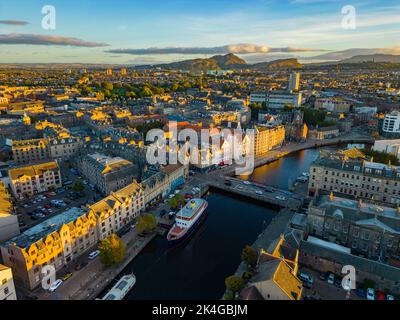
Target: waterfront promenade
{"points": [[90, 281]]}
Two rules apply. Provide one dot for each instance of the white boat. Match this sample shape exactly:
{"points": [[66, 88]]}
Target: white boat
{"points": [[187, 221], [121, 289]]}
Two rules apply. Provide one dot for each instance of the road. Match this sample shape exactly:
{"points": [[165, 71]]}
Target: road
{"points": [[272, 195]]}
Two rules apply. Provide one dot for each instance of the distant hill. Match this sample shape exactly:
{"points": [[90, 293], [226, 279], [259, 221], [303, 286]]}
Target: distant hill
{"points": [[229, 61], [292, 63], [373, 58]]}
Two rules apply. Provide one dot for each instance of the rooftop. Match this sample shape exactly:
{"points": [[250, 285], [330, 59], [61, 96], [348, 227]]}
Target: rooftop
{"points": [[41, 230], [34, 170]]}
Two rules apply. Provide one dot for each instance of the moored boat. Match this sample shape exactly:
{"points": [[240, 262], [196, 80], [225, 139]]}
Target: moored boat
{"points": [[187, 221], [121, 289]]}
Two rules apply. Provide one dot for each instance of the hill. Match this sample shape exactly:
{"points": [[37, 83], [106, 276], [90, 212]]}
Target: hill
{"points": [[229, 61]]}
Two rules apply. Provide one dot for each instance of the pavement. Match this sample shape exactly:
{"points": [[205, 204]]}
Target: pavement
{"points": [[88, 282]]}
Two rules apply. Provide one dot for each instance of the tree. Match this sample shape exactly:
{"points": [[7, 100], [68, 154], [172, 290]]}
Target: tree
{"points": [[177, 201], [250, 256], [234, 283], [112, 250], [78, 187], [146, 223]]}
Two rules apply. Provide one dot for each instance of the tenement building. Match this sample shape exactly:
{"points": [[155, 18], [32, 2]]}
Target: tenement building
{"points": [[356, 178], [56, 241], [27, 151], [8, 220], [30, 180], [106, 173], [268, 138], [118, 209], [7, 288], [367, 229]]}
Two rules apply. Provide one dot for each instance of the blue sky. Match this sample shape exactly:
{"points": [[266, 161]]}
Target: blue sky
{"points": [[308, 27]]}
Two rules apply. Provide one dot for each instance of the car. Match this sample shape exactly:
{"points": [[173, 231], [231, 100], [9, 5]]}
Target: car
{"points": [[25, 205], [390, 297], [247, 183], [259, 192], [55, 285], [171, 196], [47, 206], [331, 278], [66, 277], [323, 277], [305, 277], [380, 295], [370, 294], [228, 183], [338, 283], [93, 255], [281, 198], [361, 293]]}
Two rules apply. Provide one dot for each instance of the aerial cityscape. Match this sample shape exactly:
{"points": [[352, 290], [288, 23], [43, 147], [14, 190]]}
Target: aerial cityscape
{"points": [[200, 150]]}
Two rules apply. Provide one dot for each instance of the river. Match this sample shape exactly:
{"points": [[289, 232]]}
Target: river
{"points": [[198, 269]]}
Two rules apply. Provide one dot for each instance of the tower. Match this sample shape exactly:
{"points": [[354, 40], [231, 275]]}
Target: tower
{"points": [[294, 81]]}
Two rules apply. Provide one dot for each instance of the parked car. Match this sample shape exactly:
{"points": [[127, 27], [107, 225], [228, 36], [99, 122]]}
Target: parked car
{"points": [[305, 277], [331, 278], [93, 255], [390, 297], [370, 294], [380, 295], [361, 293], [338, 283], [55, 285], [281, 198], [66, 277], [323, 277]]}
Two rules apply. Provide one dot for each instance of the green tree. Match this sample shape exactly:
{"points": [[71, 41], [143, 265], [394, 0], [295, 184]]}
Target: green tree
{"points": [[177, 201], [78, 187], [112, 250], [250, 256], [234, 283], [146, 223], [108, 86]]}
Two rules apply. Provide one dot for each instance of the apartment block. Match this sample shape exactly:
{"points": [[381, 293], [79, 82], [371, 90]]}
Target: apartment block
{"points": [[8, 220], [367, 229], [30, 180], [118, 209], [7, 288], [56, 241], [28, 151], [357, 178], [268, 138], [108, 174]]}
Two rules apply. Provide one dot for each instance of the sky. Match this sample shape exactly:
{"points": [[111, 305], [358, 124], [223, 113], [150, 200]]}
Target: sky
{"points": [[154, 31]]}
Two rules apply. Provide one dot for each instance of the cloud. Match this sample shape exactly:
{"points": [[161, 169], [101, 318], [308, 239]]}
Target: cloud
{"points": [[36, 39], [243, 48], [14, 22], [349, 53]]}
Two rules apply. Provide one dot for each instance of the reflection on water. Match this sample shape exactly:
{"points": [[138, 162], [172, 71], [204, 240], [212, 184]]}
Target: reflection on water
{"points": [[284, 171]]}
